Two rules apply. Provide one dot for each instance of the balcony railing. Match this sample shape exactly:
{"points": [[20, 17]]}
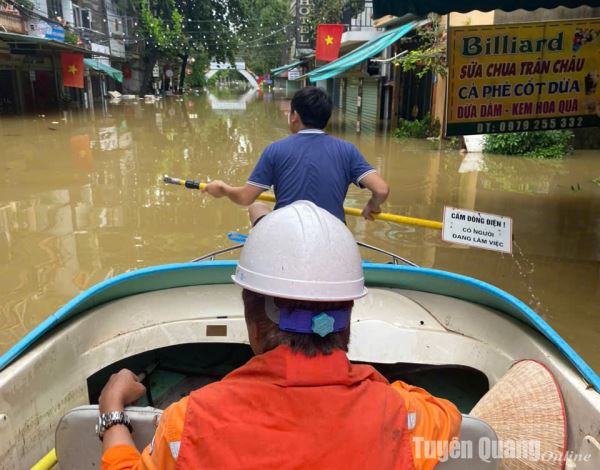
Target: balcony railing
{"points": [[364, 20]]}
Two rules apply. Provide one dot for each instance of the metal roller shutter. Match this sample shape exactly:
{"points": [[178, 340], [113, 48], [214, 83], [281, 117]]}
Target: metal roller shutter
{"points": [[350, 108], [370, 104]]}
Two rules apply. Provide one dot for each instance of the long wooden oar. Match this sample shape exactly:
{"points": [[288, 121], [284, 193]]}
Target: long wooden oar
{"points": [[398, 219]]}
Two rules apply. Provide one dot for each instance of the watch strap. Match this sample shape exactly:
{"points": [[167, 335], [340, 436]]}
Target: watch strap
{"points": [[110, 419]]}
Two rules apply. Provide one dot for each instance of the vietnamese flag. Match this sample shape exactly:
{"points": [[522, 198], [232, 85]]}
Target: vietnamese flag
{"points": [[329, 39], [72, 69]]}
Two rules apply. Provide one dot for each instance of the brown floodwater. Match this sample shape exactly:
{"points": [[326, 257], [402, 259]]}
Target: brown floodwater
{"points": [[81, 200]]}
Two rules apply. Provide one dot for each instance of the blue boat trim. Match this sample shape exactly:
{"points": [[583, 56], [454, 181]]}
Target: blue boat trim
{"points": [[237, 237], [524, 313], [65, 311]]}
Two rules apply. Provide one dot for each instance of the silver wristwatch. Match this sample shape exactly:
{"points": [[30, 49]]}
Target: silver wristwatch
{"points": [[106, 420]]}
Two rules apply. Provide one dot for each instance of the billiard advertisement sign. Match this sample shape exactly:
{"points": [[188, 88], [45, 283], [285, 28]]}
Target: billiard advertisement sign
{"points": [[523, 77]]}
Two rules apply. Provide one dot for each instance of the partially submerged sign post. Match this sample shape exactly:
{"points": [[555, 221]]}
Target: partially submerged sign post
{"points": [[523, 77], [477, 229]]}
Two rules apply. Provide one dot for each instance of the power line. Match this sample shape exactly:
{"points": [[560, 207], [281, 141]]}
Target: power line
{"points": [[274, 32]]}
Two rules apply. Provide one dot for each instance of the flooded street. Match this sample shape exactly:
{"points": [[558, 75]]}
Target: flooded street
{"points": [[82, 200]]}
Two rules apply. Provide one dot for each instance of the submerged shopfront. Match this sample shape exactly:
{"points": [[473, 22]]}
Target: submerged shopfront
{"points": [[31, 80]]}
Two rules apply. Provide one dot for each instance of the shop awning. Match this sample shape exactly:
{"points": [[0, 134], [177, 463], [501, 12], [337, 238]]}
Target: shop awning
{"points": [[442, 7], [107, 69], [22, 43], [362, 53], [284, 68]]}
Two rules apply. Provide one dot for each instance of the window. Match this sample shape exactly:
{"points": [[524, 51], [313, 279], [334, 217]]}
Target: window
{"points": [[86, 19], [82, 17], [55, 8], [117, 26]]}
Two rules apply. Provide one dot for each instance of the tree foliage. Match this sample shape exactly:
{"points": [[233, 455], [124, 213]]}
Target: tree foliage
{"points": [[332, 12], [200, 63], [417, 128], [222, 30], [429, 55], [162, 27], [179, 27], [264, 35]]}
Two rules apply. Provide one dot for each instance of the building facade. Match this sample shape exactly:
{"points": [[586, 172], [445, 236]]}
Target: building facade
{"points": [[33, 38], [373, 93]]}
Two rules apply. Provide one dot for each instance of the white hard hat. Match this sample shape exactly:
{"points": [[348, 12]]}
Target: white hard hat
{"points": [[301, 252]]}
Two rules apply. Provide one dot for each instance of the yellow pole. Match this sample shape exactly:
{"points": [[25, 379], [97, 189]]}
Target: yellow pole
{"points": [[47, 461], [398, 219]]}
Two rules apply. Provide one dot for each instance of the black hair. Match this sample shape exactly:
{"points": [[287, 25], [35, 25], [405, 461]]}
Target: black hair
{"points": [[313, 105], [308, 344]]}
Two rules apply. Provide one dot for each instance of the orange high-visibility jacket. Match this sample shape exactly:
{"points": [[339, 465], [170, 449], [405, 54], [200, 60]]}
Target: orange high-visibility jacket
{"points": [[285, 410]]}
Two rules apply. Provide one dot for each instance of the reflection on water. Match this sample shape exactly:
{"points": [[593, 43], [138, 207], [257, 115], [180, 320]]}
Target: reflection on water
{"points": [[82, 200], [235, 103]]}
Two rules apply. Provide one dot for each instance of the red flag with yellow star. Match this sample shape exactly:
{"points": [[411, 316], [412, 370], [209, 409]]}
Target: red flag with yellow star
{"points": [[329, 39], [72, 69]]}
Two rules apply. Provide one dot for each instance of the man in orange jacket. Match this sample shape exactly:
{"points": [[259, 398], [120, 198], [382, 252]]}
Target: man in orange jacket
{"points": [[299, 403]]}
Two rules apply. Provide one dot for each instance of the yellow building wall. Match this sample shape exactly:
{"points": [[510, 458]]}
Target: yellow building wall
{"points": [[471, 18]]}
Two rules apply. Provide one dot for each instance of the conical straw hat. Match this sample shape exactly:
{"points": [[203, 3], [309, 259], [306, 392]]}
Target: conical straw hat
{"points": [[526, 410]]}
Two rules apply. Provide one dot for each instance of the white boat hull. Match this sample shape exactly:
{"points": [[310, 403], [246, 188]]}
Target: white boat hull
{"points": [[390, 325]]}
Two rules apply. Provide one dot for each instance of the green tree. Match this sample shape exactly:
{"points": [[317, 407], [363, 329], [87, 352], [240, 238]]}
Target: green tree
{"points": [[264, 35], [332, 11], [429, 51], [178, 29], [200, 62]]}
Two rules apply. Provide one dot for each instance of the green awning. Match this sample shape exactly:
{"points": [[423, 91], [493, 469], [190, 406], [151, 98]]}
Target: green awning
{"points": [[102, 67], [442, 7], [284, 68], [362, 53]]}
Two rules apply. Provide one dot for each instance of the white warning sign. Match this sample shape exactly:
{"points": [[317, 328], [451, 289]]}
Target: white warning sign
{"points": [[478, 229]]}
